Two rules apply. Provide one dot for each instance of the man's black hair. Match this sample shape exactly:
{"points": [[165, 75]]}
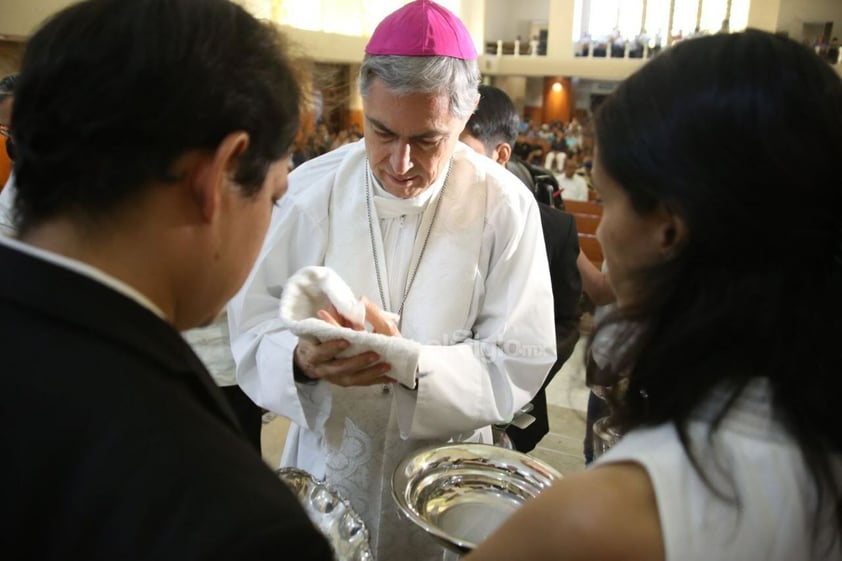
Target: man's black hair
{"points": [[495, 120], [111, 92]]}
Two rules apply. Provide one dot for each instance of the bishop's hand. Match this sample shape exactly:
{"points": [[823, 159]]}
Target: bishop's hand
{"points": [[381, 322], [320, 361]]}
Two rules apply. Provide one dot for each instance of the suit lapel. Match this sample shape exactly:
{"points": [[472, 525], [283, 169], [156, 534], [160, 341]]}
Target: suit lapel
{"points": [[44, 288]]}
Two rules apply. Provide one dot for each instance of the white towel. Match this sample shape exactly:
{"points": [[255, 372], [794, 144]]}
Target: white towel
{"points": [[314, 288]]}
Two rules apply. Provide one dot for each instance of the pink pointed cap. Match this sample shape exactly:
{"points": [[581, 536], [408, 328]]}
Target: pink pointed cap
{"points": [[422, 28]]}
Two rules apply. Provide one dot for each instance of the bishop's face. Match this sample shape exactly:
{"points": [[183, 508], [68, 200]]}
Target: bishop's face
{"points": [[409, 138]]}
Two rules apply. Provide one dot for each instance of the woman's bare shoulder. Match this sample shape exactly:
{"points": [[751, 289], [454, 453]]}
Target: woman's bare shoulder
{"points": [[605, 513]]}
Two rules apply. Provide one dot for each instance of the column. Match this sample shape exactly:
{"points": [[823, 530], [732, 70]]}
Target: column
{"points": [[560, 29], [355, 102], [472, 15], [764, 14]]}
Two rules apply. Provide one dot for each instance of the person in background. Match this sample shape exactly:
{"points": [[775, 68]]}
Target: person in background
{"points": [[213, 345], [833, 51], [489, 132], [451, 245], [139, 214], [572, 185], [595, 282], [492, 131], [7, 94], [557, 153], [597, 286], [732, 446], [7, 98]]}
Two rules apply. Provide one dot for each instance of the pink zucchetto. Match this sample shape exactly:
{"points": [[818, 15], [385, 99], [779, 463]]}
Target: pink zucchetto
{"points": [[422, 28]]}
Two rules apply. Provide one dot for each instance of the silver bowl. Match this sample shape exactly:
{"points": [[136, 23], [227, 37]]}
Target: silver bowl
{"points": [[460, 493], [331, 513]]}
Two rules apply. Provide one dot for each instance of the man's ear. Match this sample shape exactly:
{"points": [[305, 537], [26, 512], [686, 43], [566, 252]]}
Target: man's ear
{"points": [[503, 153], [216, 171]]}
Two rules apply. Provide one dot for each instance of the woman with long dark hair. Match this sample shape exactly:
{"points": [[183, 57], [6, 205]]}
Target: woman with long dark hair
{"points": [[718, 164]]}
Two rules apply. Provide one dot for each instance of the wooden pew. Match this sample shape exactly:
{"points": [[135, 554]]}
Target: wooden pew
{"points": [[587, 216], [589, 245]]}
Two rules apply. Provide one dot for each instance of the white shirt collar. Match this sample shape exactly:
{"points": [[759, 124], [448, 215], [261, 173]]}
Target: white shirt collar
{"points": [[390, 206]]}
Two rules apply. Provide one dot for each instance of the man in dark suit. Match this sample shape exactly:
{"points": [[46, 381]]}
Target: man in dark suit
{"points": [[492, 130], [151, 141]]}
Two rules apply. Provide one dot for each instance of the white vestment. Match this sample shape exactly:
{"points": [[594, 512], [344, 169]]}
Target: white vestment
{"points": [[213, 347], [480, 305], [7, 201]]}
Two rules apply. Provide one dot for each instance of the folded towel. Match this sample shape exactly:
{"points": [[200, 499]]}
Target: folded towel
{"points": [[314, 288]]}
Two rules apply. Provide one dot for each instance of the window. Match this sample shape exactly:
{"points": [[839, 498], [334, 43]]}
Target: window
{"points": [[657, 19], [345, 17], [684, 18], [600, 19]]}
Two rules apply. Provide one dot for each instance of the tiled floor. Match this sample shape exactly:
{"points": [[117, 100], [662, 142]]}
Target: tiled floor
{"points": [[567, 399], [567, 402]]}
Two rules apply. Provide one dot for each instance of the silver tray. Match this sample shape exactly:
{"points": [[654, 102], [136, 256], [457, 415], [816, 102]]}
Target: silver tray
{"points": [[460, 493], [331, 513]]}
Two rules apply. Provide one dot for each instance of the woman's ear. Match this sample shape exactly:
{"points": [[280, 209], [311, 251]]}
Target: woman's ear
{"points": [[673, 232]]}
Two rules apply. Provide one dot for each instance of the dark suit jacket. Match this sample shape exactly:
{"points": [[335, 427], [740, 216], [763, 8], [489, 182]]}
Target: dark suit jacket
{"points": [[116, 443], [562, 243]]}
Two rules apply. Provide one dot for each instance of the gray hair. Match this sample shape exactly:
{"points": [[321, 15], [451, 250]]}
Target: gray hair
{"points": [[426, 74]]}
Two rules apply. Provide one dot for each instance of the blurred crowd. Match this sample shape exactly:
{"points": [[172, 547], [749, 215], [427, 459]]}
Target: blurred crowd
{"points": [[320, 141], [563, 149], [546, 145]]}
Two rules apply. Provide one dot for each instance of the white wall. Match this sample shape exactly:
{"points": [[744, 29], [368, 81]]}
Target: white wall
{"points": [[506, 19], [472, 14], [795, 13], [515, 86], [763, 14], [584, 89], [19, 18], [534, 92]]}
